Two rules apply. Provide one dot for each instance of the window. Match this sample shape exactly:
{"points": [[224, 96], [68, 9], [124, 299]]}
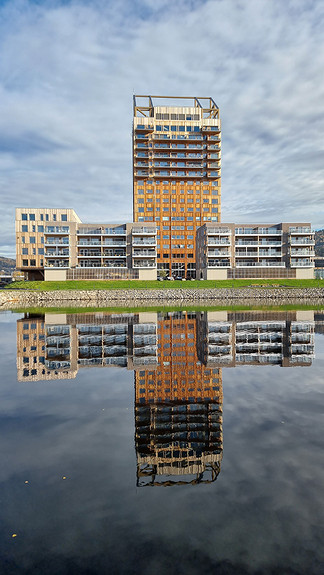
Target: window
{"points": [[24, 216], [34, 251], [40, 228], [42, 217], [214, 201], [32, 240], [33, 262], [33, 228], [25, 263], [46, 217], [54, 217], [141, 210], [24, 228], [64, 217], [214, 210], [22, 239], [25, 251], [32, 217], [40, 251]]}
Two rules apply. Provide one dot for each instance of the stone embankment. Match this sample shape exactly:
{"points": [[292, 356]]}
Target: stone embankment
{"points": [[13, 299]]}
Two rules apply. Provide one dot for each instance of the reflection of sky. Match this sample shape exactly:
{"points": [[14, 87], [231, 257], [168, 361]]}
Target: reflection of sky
{"points": [[262, 515]]}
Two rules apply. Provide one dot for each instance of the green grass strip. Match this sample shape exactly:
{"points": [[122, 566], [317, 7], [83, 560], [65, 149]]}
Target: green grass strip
{"points": [[138, 284]]}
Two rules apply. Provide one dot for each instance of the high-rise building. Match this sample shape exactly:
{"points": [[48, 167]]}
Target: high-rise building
{"points": [[176, 173]]}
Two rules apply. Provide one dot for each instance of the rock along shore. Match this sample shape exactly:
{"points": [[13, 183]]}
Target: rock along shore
{"points": [[13, 299]]}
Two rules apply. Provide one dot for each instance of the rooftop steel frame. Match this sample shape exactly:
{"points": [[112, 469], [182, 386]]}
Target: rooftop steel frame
{"points": [[207, 105]]}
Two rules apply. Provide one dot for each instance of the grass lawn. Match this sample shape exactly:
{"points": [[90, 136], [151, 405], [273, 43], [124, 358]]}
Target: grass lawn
{"points": [[137, 284]]}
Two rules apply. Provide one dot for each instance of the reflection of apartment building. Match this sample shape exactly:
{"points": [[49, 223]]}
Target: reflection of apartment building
{"points": [[227, 251], [176, 173], [53, 244], [56, 346], [251, 338], [44, 351], [178, 410]]}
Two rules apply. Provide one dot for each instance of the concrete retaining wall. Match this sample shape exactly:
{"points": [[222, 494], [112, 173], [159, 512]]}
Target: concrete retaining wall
{"points": [[11, 299]]}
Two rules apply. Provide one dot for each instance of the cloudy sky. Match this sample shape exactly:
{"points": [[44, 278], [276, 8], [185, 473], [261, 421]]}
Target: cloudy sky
{"points": [[68, 71]]}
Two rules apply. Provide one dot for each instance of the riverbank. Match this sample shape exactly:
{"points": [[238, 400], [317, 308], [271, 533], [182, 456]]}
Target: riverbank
{"points": [[13, 299]]}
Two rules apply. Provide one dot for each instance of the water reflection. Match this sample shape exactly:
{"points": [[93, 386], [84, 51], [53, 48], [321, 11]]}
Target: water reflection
{"points": [[177, 359]]}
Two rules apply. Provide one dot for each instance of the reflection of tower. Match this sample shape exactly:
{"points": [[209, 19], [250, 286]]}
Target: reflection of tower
{"points": [[178, 410]]}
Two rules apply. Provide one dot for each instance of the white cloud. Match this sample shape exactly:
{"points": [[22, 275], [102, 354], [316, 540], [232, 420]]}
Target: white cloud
{"points": [[70, 70]]}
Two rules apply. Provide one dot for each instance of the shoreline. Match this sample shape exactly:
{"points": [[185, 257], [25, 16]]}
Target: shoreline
{"points": [[13, 299]]}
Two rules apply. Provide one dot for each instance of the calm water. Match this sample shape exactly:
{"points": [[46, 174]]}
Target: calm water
{"points": [[158, 443]]}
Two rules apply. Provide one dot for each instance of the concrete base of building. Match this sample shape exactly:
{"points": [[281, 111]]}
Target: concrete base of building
{"points": [[305, 273], [212, 274], [150, 274], [55, 275]]}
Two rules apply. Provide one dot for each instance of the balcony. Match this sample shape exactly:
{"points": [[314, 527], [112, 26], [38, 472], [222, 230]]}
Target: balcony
{"points": [[143, 128], [270, 253], [144, 242], [218, 242], [57, 253], [302, 252], [302, 241], [144, 264], [257, 231], [57, 229], [301, 263], [211, 129], [114, 254], [249, 254], [143, 231], [219, 231], [300, 230], [56, 242], [141, 253], [97, 255], [263, 264], [114, 243], [218, 263], [89, 243], [212, 253], [56, 263]]}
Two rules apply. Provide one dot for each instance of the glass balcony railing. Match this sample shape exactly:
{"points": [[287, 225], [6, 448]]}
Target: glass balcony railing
{"points": [[143, 230], [57, 229]]}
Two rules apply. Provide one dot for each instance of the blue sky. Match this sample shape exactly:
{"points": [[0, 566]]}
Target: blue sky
{"points": [[68, 71]]}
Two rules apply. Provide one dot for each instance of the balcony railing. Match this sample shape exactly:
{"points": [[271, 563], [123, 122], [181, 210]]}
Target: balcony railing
{"points": [[57, 229], [218, 242], [301, 264], [219, 231], [143, 230], [147, 253], [212, 253], [218, 264], [144, 242], [56, 241], [257, 231], [248, 264], [300, 230], [144, 264], [57, 253], [302, 241]]}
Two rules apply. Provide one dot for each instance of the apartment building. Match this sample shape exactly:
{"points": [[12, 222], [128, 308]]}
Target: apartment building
{"points": [[176, 174], [228, 251], [53, 244]]}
